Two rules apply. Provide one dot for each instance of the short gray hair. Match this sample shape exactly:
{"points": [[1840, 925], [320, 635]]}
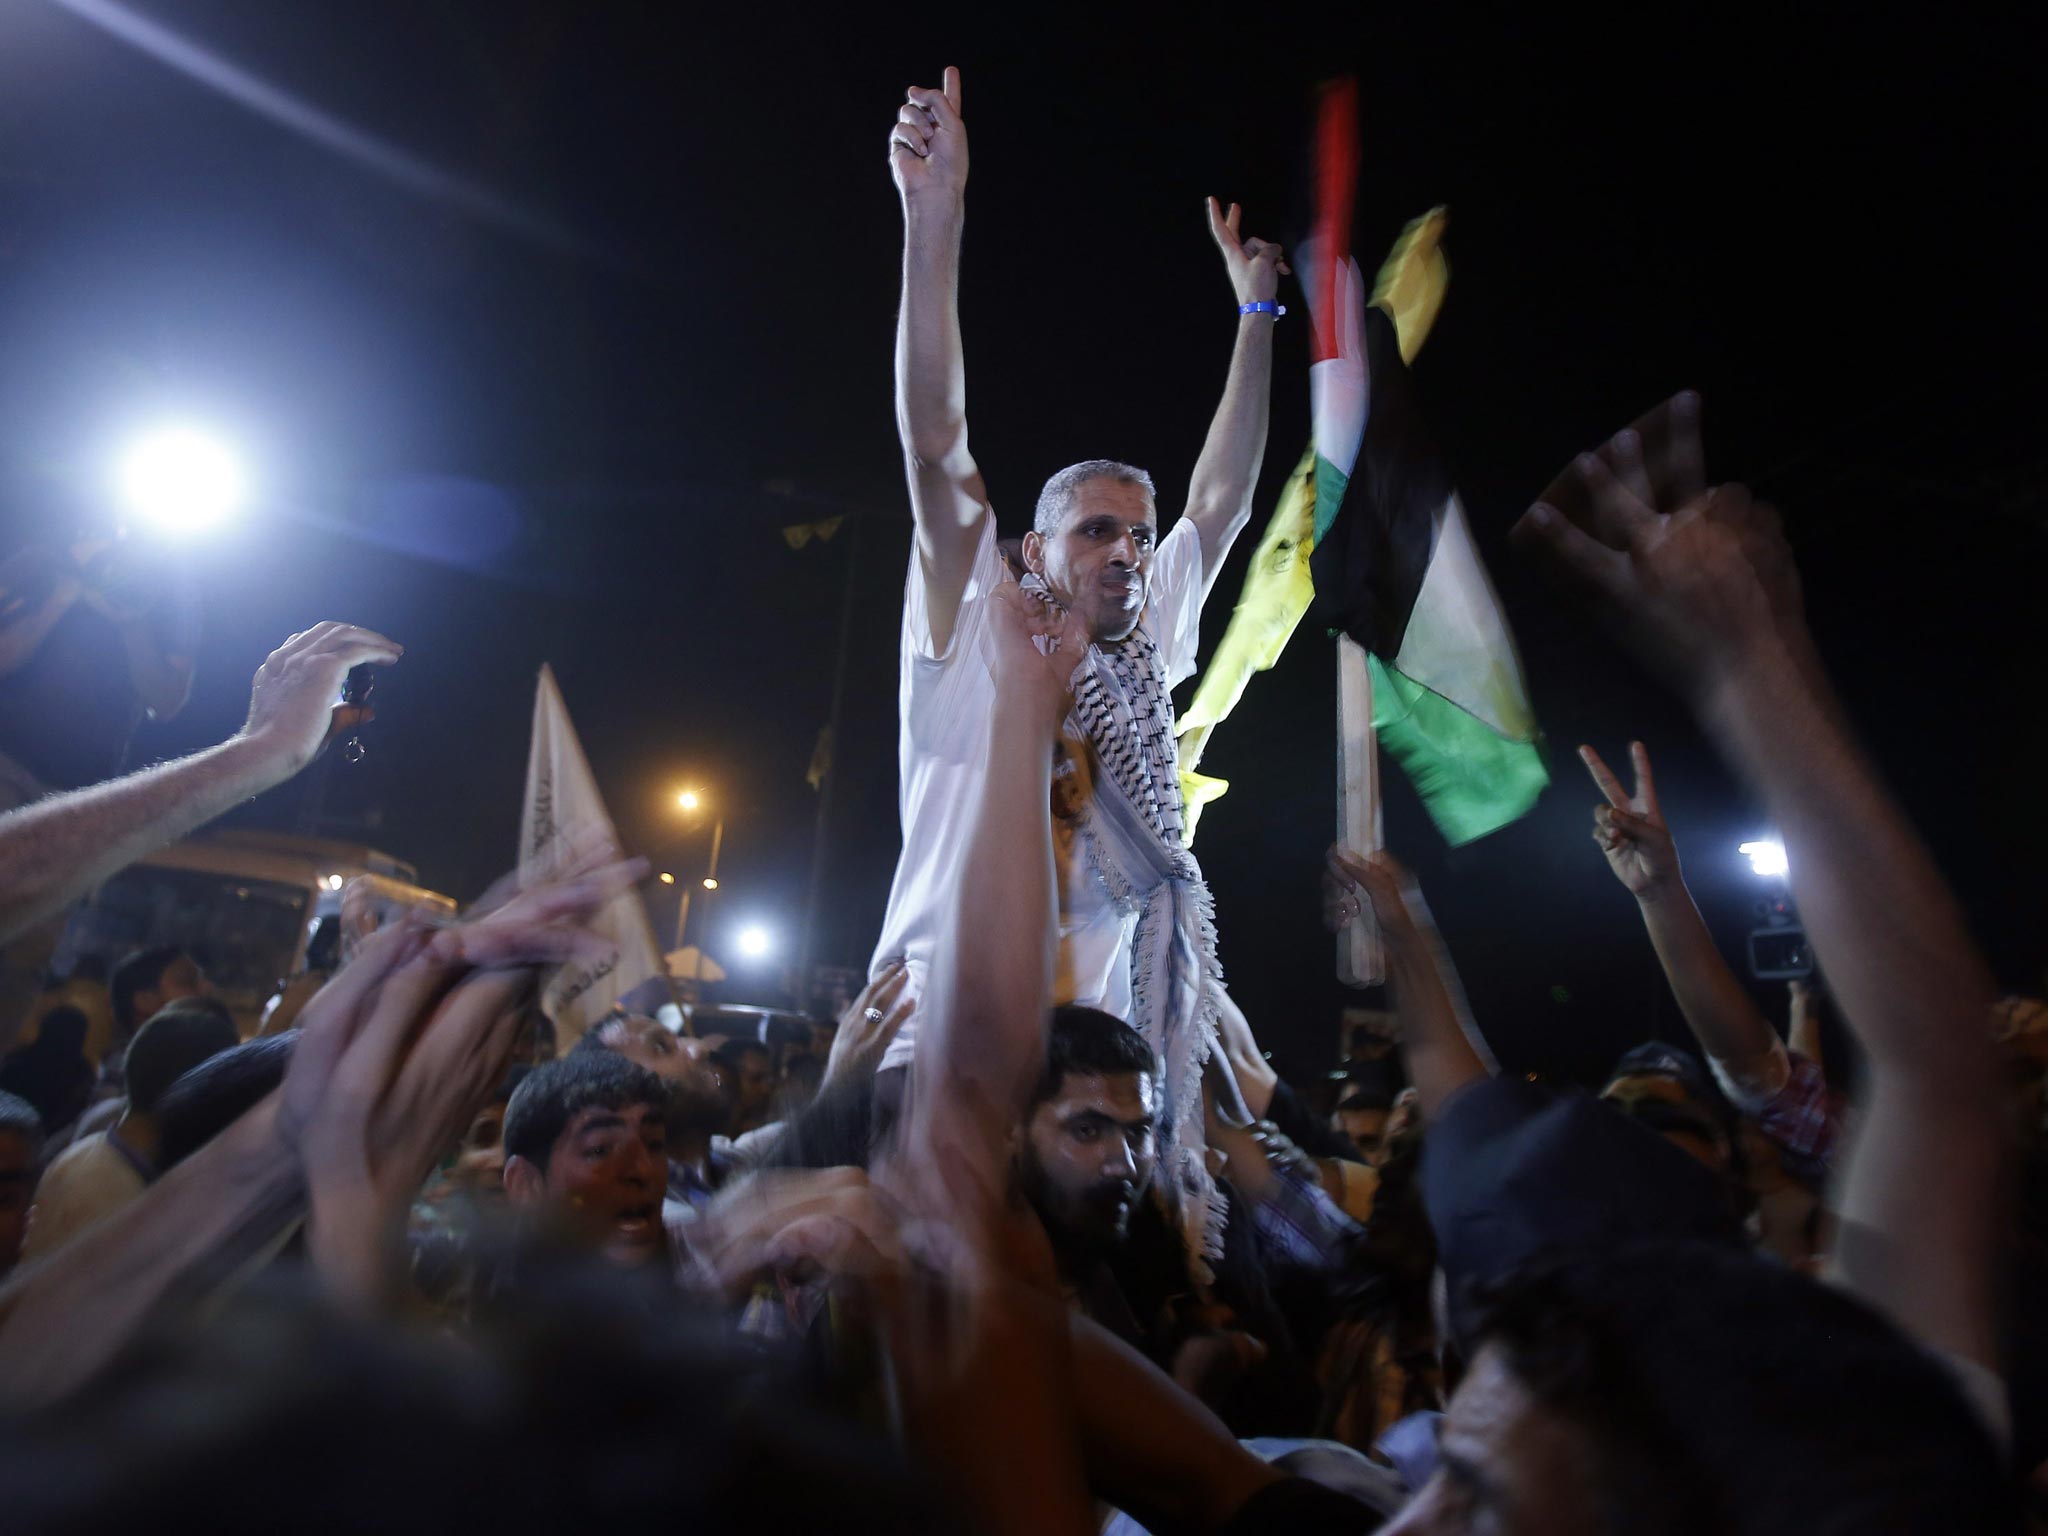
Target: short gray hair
{"points": [[1057, 499]]}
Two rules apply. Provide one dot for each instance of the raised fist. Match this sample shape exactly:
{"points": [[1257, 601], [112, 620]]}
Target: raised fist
{"points": [[928, 145]]}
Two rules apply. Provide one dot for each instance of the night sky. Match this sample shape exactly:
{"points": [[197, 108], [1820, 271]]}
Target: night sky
{"points": [[572, 433]]}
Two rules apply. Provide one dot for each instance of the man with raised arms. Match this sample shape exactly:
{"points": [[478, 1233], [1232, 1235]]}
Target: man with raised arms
{"points": [[1136, 935]]}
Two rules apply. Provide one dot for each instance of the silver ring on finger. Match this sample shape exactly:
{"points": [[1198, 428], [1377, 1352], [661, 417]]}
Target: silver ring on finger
{"points": [[872, 1015]]}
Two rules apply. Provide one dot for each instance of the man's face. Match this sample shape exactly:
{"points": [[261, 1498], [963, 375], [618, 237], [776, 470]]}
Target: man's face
{"points": [[605, 1177], [1365, 1129], [1508, 1466], [17, 1194], [755, 1088], [1089, 1153], [1099, 563], [480, 1165], [1662, 1103], [181, 978]]}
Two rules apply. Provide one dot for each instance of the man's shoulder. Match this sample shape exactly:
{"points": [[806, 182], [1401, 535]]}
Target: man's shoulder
{"points": [[84, 1150]]}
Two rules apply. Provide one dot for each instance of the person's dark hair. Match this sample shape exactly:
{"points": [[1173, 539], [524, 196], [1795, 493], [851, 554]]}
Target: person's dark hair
{"points": [[62, 1032], [210, 1097], [1090, 1043], [18, 1117], [1366, 1096], [177, 1038], [138, 972], [552, 1095], [735, 1051], [51, 1072], [1728, 1395]]}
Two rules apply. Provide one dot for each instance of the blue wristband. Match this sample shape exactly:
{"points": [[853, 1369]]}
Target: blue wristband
{"points": [[1261, 307]]}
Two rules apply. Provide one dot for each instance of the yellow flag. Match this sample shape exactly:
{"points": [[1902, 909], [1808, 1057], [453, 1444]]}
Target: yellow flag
{"points": [[1413, 278]]}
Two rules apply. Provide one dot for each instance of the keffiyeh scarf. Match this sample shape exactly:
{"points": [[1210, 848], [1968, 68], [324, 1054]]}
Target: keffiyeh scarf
{"points": [[1132, 831]]}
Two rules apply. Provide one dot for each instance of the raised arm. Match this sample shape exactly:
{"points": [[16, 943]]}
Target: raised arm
{"points": [[58, 848], [1709, 583], [928, 158], [1439, 1041], [999, 1394], [1630, 830], [983, 1042], [1227, 473]]}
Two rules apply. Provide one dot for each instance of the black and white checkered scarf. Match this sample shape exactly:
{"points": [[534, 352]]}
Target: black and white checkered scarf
{"points": [[1133, 831]]}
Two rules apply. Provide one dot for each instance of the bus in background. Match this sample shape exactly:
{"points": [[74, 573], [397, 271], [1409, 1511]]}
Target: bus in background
{"points": [[255, 909]]}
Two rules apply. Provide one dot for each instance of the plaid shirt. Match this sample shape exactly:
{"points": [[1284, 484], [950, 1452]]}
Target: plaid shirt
{"points": [[1802, 1119], [1297, 1225]]}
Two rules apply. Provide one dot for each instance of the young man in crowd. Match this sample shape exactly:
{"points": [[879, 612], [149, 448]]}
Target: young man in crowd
{"points": [[21, 1156], [102, 1172], [586, 1152], [144, 982], [1086, 1159], [1090, 1145], [148, 980], [1361, 1118], [1131, 602], [749, 1067]]}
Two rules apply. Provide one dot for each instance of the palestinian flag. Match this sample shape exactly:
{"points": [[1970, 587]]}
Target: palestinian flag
{"points": [[1395, 567], [1398, 572]]}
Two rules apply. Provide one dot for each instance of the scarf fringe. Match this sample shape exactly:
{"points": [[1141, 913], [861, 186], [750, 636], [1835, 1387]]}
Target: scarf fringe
{"points": [[1174, 908]]}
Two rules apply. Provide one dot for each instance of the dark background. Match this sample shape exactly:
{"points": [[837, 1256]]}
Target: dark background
{"points": [[572, 432]]}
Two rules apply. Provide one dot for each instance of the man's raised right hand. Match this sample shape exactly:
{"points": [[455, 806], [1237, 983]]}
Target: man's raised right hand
{"points": [[928, 146], [292, 703]]}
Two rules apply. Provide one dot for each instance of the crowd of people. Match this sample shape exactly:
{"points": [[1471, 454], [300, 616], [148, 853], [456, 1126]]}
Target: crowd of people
{"points": [[1033, 1237]]}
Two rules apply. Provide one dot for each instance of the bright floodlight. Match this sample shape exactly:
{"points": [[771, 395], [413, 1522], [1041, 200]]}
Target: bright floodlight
{"points": [[710, 884], [755, 943], [1766, 857], [181, 481], [688, 800], [667, 878]]}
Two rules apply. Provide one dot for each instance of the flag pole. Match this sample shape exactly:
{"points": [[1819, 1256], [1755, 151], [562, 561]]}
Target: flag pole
{"points": [[1360, 828]]}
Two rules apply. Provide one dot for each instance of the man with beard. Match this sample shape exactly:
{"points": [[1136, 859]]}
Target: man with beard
{"points": [[1089, 1151], [1086, 1162]]}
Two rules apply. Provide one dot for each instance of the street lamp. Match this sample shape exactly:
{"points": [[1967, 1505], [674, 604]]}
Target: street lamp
{"points": [[691, 800], [755, 942]]}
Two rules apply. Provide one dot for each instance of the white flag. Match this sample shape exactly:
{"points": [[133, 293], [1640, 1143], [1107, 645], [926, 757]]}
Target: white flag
{"points": [[563, 811]]}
